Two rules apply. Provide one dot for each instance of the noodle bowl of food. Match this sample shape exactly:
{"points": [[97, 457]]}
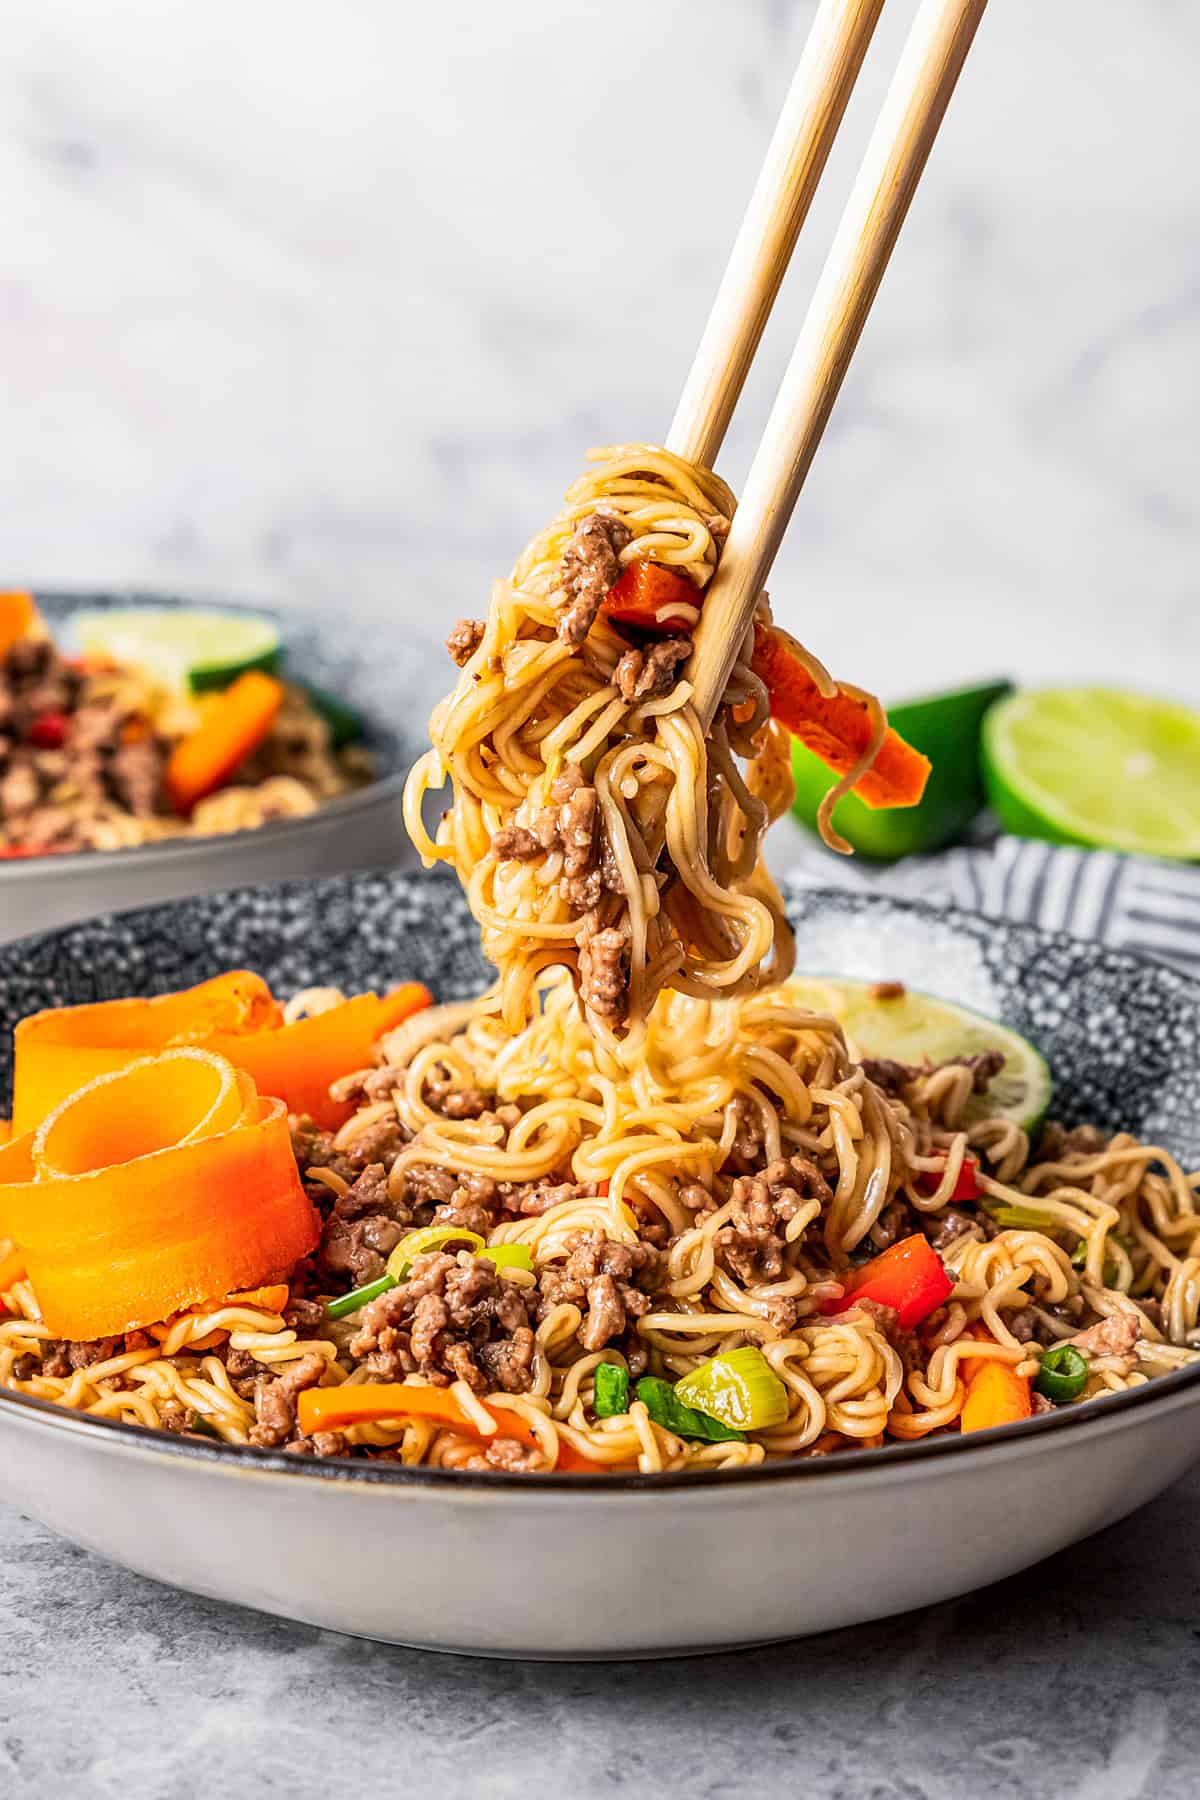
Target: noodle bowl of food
{"points": [[150, 748], [322, 1224]]}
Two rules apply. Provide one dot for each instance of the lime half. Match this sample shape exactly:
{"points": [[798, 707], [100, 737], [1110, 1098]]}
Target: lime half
{"points": [[946, 728], [912, 1027], [1098, 767], [184, 649]]}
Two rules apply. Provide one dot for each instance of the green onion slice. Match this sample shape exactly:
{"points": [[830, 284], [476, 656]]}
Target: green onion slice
{"points": [[1063, 1374], [659, 1399], [611, 1393], [738, 1387], [1108, 1273], [1021, 1218], [358, 1297], [508, 1256], [430, 1237]]}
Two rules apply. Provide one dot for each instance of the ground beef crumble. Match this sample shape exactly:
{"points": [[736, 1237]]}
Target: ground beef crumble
{"points": [[590, 566], [450, 1322], [647, 674]]}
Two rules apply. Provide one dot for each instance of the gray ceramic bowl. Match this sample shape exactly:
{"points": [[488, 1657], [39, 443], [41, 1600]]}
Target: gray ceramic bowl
{"points": [[362, 830], [626, 1566]]}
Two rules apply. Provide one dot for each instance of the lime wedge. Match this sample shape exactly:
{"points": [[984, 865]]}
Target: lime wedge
{"points": [[1099, 767], [184, 649], [915, 1028], [947, 728]]}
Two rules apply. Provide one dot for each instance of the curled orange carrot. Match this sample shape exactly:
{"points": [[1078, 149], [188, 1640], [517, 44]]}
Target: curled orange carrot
{"points": [[836, 728], [152, 1188], [18, 616], [328, 1409], [996, 1395], [653, 599], [57, 1052], [234, 724]]}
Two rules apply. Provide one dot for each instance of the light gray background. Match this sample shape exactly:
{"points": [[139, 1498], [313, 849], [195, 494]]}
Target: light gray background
{"points": [[322, 304]]}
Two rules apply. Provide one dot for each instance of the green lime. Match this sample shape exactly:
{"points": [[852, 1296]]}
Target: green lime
{"points": [[1096, 766], [184, 649], [912, 1027], [946, 728]]}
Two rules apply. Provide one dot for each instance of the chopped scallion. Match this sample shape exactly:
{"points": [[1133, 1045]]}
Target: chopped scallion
{"points": [[507, 1256], [610, 1395], [1063, 1374], [358, 1297], [429, 1237], [658, 1397], [738, 1387]]}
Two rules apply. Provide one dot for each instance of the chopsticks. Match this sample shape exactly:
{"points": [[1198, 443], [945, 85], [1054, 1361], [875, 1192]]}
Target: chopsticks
{"points": [[795, 160], [895, 158]]}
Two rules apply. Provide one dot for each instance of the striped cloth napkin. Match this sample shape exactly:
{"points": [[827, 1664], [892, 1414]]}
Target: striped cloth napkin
{"points": [[1128, 902]]}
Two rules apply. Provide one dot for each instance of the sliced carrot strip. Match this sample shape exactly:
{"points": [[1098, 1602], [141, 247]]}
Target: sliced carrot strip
{"points": [[235, 1015], [18, 617], [233, 725], [996, 1395], [328, 1409], [835, 728], [152, 1188], [12, 1270]]}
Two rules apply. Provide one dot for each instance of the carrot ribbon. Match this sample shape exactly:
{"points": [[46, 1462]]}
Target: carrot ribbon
{"points": [[235, 1015], [996, 1395], [18, 616], [151, 1188]]}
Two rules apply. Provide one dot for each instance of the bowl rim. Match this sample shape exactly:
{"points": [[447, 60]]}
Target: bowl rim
{"points": [[133, 1439], [129, 1439], [380, 789]]}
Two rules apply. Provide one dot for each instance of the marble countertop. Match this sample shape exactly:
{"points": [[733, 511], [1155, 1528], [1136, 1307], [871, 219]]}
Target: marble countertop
{"points": [[1075, 1681]]}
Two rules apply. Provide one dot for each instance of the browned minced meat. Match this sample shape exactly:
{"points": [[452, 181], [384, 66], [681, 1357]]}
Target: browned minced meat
{"points": [[945, 1228], [516, 843], [719, 526], [746, 1154], [465, 640], [321, 1443], [1024, 1325], [275, 1400], [366, 1087], [1113, 1336], [609, 1282], [906, 1344], [1082, 1140], [888, 990], [648, 674], [894, 1222], [591, 564], [752, 1244], [894, 1077], [577, 826], [363, 1228], [604, 969], [505, 1453], [451, 1101], [450, 1322]]}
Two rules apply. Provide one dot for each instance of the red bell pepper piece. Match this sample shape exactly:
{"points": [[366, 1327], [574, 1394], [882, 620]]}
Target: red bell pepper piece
{"points": [[49, 731], [909, 1276], [965, 1188], [650, 598], [15, 852]]}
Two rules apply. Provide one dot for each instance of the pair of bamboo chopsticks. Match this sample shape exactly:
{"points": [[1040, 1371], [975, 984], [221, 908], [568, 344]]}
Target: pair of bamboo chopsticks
{"points": [[903, 136]]}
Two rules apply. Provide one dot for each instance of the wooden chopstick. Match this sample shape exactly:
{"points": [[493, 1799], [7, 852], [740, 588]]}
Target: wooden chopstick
{"points": [[813, 111], [913, 110]]}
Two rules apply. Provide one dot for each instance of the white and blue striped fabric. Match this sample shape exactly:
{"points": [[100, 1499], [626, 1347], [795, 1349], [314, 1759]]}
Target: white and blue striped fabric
{"points": [[1128, 902]]}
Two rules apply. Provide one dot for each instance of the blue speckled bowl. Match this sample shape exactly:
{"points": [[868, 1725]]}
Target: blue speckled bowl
{"points": [[620, 1566], [361, 830]]}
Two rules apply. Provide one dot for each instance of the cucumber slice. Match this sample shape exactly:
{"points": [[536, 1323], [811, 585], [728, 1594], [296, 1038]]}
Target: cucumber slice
{"points": [[916, 1027], [193, 651]]}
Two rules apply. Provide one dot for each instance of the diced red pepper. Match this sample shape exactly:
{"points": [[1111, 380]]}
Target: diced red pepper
{"points": [[48, 731], [14, 852], [649, 597], [909, 1276], [965, 1188]]}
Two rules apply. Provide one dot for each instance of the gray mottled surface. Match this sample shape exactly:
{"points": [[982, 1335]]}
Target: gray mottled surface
{"points": [[1076, 1681]]}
